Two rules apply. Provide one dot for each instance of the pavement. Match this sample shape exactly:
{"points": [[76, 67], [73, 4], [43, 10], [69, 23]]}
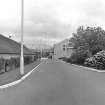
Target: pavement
{"points": [[57, 83], [14, 75]]}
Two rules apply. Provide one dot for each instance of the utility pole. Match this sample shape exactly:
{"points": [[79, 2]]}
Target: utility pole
{"points": [[22, 31]]}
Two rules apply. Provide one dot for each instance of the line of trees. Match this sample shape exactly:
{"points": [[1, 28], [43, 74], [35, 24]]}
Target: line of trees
{"points": [[87, 41]]}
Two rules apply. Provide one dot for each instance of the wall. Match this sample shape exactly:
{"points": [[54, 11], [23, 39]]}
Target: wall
{"points": [[62, 49]]}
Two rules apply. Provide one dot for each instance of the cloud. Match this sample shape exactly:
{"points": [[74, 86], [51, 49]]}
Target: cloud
{"points": [[58, 19], [50, 29], [41, 22], [45, 24], [91, 12], [51, 20], [93, 8]]}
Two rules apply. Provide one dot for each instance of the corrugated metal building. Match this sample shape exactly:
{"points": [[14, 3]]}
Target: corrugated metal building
{"points": [[9, 47], [9, 52]]}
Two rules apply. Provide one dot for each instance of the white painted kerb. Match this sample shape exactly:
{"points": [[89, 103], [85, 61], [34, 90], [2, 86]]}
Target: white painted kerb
{"points": [[20, 80], [87, 68]]}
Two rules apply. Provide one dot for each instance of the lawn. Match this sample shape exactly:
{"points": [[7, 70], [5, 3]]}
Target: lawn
{"points": [[14, 75]]}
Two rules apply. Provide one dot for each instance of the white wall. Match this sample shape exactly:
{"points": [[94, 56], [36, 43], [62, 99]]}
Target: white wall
{"points": [[59, 52]]}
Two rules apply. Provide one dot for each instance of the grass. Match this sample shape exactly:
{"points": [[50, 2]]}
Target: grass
{"points": [[14, 75]]}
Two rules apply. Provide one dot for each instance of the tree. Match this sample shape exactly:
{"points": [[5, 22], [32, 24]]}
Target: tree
{"points": [[91, 38], [80, 54]]}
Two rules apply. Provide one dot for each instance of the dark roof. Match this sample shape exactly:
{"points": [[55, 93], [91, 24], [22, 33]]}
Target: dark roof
{"points": [[9, 46]]}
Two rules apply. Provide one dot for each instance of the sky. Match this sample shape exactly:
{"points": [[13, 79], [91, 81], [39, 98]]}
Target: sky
{"points": [[49, 21]]}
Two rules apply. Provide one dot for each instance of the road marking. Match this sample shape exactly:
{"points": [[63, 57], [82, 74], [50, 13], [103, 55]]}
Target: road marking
{"points": [[20, 80], [25, 76]]}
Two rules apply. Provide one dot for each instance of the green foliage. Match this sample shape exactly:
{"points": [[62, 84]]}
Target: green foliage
{"points": [[66, 59], [93, 38], [87, 42], [28, 60], [96, 61], [2, 63], [17, 62], [35, 58], [80, 55], [14, 62]]}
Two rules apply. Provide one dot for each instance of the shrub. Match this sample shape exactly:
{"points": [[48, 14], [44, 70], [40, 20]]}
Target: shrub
{"points": [[35, 57], [90, 62], [93, 38], [65, 59], [74, 58], [14, 62], [2, 65], [17, 62], [28, 60], [97, 61], [79, 55]]}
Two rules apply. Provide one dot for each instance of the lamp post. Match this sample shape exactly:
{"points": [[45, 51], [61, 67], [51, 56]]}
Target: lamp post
{"points": [[22, 32]]}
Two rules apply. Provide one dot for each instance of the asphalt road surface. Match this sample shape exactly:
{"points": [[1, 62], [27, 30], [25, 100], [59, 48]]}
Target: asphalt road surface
{"points": [[57, 83]]}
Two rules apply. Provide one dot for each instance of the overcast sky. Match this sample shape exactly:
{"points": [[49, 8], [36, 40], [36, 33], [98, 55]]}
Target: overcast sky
{"points": [[49, 21]]}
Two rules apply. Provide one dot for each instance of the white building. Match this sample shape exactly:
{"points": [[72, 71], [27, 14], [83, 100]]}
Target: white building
{"points": [[63, 49]]}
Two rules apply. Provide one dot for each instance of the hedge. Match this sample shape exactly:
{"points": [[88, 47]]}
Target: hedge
{"points": [[97, 61], [14, 62]]}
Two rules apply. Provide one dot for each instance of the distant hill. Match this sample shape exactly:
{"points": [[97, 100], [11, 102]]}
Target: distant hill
{"points": [[9, 46]]}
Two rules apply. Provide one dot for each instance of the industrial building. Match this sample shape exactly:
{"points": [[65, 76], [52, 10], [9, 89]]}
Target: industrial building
{"points": [[63, 49]]}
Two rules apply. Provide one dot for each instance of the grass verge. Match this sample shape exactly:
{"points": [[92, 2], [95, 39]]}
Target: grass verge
{"points": [[14, 75]]}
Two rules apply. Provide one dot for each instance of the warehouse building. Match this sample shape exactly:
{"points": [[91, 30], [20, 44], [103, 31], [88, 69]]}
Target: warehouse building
{"points": [[10, 53], [63, 49]]}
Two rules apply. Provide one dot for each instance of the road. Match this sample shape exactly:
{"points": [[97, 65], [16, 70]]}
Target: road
{"points": [[57, 83]]}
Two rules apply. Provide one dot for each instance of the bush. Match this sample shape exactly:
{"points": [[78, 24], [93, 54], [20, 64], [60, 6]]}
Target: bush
{"points": [[97, 61], [17, 62], [35, 57], [28, 60], [65, 59], [79, 55], [92, 38], [74, 58], [90, 62], [9, 64], [14, 62], [2, 65]]}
